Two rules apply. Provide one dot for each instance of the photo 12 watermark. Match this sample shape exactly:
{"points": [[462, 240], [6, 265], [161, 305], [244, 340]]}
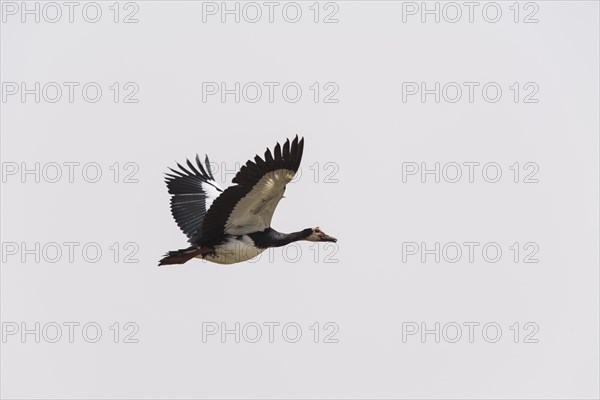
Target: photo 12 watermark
{"points": [[69, 252], [470, 252], [69, 172], [469, 332], [270, 332], [270, 92], [69, 12], [470, 12], [326, 253], [70, 332], [470, 92], [89, 92], [223, 172], [469, 172], [270, 12]]}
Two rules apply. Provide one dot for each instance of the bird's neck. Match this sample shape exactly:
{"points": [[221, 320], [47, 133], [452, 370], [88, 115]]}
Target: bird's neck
{"points": [[271, 238]]}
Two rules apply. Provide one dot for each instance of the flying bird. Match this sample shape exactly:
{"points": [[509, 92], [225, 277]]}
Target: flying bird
{"points": [[234, 225]]}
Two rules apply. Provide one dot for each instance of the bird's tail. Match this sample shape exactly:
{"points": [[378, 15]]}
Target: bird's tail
{"points": [[180, 256]]}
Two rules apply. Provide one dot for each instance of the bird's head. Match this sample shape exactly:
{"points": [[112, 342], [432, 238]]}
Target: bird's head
{"points": [[317, 235]]}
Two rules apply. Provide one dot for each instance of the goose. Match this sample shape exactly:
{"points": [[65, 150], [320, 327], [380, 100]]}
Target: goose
{"points": [[234, 225]]}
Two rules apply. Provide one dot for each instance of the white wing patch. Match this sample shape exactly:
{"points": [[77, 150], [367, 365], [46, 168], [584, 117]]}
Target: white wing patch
{"points": [[254, 212], [211, 193]]}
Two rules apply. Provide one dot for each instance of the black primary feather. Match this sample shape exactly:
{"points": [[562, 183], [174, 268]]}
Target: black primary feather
{"points": [[188, 200]]}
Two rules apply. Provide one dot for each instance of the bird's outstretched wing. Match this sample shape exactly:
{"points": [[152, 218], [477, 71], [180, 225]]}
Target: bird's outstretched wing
{"points": [[193, 191], [248, 205]]}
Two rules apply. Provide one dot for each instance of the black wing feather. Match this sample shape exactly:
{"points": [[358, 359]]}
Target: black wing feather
{"points": [[208, 169], [188, 200]]}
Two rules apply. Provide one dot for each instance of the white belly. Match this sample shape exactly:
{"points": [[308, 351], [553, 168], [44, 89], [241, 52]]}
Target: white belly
{"points": [[233, 251]]}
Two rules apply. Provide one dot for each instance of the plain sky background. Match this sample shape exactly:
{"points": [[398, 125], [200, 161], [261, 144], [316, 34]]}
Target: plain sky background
{"points": [[366, 136]]}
